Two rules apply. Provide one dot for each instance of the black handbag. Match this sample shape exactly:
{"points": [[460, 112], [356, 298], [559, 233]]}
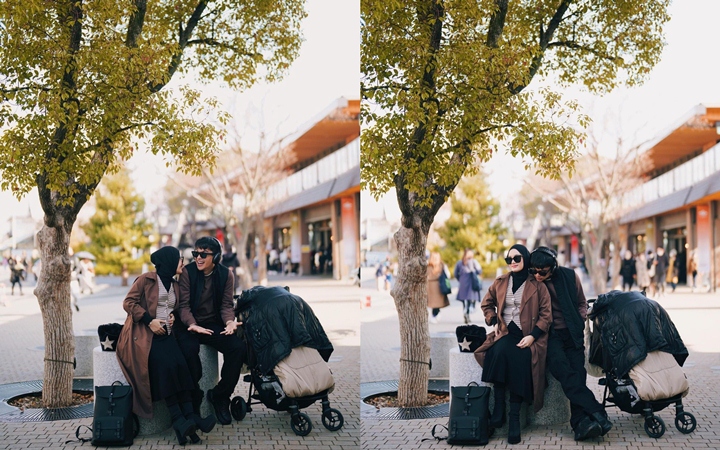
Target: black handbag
{"points": [[114, 423], [109, 334], [470, 337], [444, 281], [476, 283], [469, 415]]}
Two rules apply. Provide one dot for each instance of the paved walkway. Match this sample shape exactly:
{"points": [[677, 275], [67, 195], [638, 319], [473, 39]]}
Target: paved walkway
{"points": [[336, 303], [695, 315]]}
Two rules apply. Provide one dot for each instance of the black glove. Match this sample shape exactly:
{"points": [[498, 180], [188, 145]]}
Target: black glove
{"points": [[492, 321]]}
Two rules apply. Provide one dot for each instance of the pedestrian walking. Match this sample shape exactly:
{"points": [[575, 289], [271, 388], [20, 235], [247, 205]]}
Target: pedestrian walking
{"points": [[673, 270], [465, 269], [628, 271], [17, 275], [662, 263], [436, 273], [641, 270], [693, 269]]}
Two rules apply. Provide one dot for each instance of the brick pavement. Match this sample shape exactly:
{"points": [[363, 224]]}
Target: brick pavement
{"points": [[334, 302], [695, 315]]}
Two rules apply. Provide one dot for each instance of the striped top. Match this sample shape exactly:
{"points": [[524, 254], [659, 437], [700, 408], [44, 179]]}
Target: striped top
{"points": [[511, 311], [166, 303]]}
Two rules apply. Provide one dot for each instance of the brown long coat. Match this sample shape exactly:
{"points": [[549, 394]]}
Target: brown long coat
{"points": [[436, 299], [133, 347], [535, 310]]}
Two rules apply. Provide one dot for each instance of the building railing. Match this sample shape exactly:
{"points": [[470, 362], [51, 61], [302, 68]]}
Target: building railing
{"points": [[681, 177], [315, 174]]}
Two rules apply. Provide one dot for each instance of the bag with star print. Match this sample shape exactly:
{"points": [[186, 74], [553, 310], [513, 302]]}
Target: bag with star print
{"points": [[470, 337], [109, 334]]}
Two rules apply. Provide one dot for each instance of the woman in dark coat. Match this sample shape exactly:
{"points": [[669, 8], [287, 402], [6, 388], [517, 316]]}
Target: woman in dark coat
{"points": [[148, 353], [514, 360], [628, 272]]}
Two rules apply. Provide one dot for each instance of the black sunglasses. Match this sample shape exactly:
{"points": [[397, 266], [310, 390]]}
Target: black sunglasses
{"points": [[541, 272], [516, 258], [201, 254]]}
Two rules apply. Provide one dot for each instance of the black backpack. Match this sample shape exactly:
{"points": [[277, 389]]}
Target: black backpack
{"points": [[114, 423], [469, 415], [113, 420]]}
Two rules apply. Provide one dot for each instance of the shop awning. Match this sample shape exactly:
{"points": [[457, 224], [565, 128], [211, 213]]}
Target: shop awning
{"points": [[317, 194], [675, 200], [708, 186]]}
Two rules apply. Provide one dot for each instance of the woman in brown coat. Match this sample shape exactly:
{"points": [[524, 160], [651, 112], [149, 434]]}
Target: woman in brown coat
{"points": [[515, 360], [148, 352], [436, 299]]}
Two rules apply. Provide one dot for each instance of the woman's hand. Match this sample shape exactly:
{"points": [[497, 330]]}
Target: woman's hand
{"points": [[157, 326], [526, 341]]}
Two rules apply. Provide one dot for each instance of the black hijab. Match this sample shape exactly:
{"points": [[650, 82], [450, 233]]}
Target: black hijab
{"points": [[166, 261], [520, 277]]}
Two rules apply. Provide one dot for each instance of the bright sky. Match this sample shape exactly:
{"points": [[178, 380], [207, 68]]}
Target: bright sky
{"points": [[687, 75], [327, 68]]}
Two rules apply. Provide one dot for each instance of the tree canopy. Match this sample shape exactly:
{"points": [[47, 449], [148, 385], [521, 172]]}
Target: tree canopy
{"points": [[82, 84], [445, 82]]}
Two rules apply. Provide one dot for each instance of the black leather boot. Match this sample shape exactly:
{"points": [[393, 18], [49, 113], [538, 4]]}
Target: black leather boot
{"points": [[497, 419], [205, 425], [183, 427], [601, 418], [587, 429], [514, 423]]}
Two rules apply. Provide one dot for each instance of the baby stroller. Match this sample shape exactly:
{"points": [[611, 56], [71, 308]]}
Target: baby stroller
{"points": [[641, 352], [279, 328]]}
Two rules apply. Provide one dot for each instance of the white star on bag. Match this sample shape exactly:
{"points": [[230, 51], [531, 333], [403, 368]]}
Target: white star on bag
{"points": [[464, 345], [107, 343]]}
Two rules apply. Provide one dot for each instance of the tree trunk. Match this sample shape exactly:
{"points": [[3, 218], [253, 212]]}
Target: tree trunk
{"points": [[597, 272], [53, 294], [410, 295]]}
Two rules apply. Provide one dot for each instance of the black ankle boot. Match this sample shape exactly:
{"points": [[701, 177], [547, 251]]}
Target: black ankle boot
{"points": [[602, 420], [205, 425], [514, 424], [497, 419], [183, 427], [194, 438]]}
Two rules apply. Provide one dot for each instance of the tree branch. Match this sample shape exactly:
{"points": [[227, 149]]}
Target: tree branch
{"points": [[215, 43], [135, 23], [497, 23], [183, 38], [574, 45], [545, 37]]}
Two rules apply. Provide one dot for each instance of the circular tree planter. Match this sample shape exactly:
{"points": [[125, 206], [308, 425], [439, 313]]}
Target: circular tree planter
{"points": [[368, 390], [9, 413]]}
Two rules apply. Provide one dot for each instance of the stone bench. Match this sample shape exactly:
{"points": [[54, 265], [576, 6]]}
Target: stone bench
{"points": [[106, 370], [440, 344], [556, 407], [85, 342]]}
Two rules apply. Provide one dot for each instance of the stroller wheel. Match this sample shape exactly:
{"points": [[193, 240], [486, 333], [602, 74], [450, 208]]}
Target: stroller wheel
{"points": [[332, 419], [685, 422], [654, 427], [301, 424], [238, 408]]}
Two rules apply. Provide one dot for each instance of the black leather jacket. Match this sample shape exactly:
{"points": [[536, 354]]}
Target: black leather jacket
{"points": [[276, 321], [632, 325]]}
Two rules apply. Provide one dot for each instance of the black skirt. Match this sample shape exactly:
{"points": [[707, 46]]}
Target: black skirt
{"points": [[169, 373], [509, 364]]}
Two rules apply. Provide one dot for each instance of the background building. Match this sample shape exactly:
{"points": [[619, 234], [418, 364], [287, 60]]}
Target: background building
{"points": [[315, 218], [677, 207]]}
